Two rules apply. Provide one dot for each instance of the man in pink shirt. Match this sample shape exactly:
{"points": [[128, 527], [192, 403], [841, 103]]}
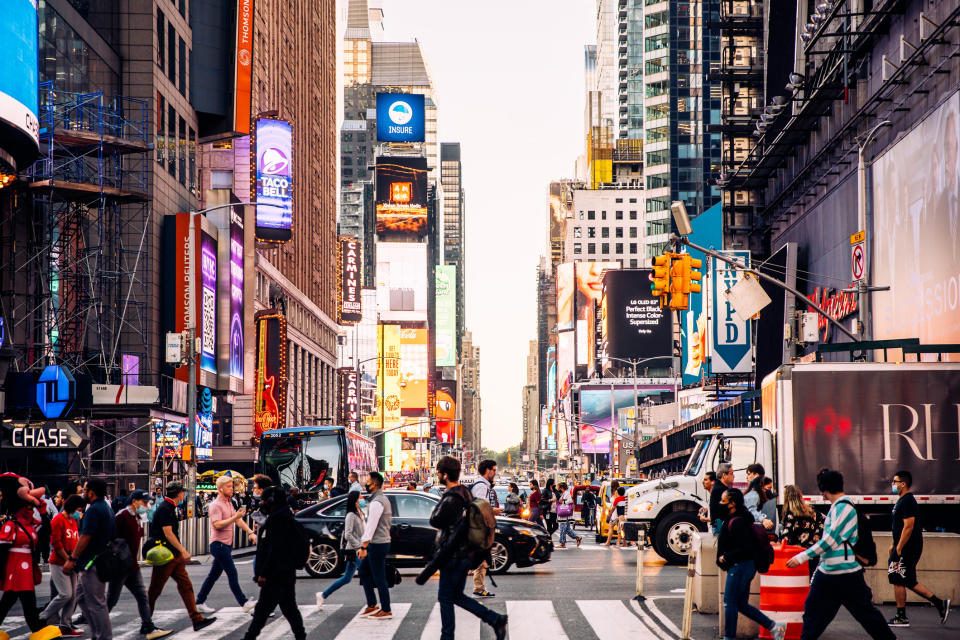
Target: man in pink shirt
{"points": [[223, 519]]}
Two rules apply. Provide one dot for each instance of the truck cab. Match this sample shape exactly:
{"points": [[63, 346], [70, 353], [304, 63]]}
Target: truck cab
{"points": [[667, 509]]}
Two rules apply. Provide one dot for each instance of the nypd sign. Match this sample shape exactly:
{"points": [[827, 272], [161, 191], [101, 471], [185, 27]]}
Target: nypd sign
{"points": [[400, 117]]}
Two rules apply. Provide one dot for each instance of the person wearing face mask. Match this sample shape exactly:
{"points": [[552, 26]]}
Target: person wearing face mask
{"points": [[130, 528], [64, 534], [374, 546], [260, 483]]}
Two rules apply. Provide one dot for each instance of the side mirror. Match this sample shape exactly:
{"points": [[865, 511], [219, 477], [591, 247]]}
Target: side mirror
{"points": [[726, 449]]}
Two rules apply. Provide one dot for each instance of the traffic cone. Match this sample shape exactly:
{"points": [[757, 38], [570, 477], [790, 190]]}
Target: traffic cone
{"points": [[4, 635]]}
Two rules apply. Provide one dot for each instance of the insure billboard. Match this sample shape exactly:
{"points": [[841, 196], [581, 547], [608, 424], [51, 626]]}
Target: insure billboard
{"points": [[401, 117], [270, 388], [401, 195], [446, 315], [633, 326], [271, 148], [916, 232], [349, 300], [19, 78], [413, 368]]}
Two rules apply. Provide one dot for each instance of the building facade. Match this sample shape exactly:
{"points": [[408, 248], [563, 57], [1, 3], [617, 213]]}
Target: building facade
{"points": [[452, 224]]}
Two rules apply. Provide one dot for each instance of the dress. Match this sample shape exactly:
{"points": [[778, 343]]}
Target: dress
{"points": [[22, 538]]}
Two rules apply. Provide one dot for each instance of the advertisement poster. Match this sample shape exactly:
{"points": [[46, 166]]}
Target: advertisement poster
{"points": [[914, 246], [401, 281], [348, 404], [564, 362], [243, 67], [601, 411], [565, 284], [168, 439], [19, 78], [208, 302], [401, 195], [401, 117], [388, 373], [350, 301], [413, 368], [446, 315], [204, 436], [270, 388], [634, 326], [236, 293], [272, 147], [446, 410]]}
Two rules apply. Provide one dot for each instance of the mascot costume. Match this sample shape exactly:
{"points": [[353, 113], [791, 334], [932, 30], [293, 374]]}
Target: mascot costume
{"points": [[19, 504]]}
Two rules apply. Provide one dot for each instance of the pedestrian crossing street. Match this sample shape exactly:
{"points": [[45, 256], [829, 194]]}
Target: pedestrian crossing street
{"points": [[529, 620]]}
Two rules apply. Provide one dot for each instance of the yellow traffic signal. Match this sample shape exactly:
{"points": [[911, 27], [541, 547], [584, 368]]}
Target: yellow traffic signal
{"points": [[692, 273], [679, 282], [660, 278]]}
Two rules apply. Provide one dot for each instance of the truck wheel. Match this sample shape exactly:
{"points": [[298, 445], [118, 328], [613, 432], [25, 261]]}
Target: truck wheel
{"points": [[674, 536]]}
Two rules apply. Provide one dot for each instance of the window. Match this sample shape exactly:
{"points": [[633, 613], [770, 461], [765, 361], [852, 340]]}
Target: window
{"points": [[633, 201], [171, 53], [633, 247], [633, 232], [741, 451], [221, 179], [171, 140], [655, 227], [633, 263], [337, 510], [183, 67], [603, 215], [604, 232], [591, 248], [161, 43], [577, 248], [591, 232], [160, 144], [591, 215], [633, 215], [619, 232], [618, 200], [182, 144], [605, 248], [413, 505], [577, 232], [619, 215], [346, 161], [581, 215], [619, 247]]}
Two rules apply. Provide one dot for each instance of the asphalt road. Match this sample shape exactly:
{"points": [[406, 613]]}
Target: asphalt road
{"points": [[582, 593]]}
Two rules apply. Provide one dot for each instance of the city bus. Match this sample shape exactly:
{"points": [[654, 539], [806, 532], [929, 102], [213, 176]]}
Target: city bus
{"points": [[304, 457]]}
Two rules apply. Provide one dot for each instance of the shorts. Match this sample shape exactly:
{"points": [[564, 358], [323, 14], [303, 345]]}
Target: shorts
{"points": [[902, 571]]}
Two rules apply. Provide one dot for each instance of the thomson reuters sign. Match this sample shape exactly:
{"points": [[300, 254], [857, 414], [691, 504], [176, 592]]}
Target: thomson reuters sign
{"points": [[400, 117]]}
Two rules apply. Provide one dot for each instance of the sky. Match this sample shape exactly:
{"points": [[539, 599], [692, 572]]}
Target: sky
{"points": [[509, 81]]}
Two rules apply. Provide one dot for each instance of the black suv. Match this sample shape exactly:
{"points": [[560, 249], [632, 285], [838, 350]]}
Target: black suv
{"points": [[517, 541]]}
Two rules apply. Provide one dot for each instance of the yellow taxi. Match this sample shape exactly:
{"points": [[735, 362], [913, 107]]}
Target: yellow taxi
{"points": [[605, 499]]}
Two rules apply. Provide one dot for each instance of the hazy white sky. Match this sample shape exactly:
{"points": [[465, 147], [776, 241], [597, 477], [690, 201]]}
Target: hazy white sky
{"points": [[509, 82]]}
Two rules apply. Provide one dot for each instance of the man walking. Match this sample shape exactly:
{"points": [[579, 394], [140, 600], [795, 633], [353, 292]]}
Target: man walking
{"points": [[96, 529], [374, 546], [275, 566], [64, 534], [718, 513], [839, 578], [589, 508], [224, 518], [905, 551], [483, 489], [455, 556], [166, 528], [129, 528]]}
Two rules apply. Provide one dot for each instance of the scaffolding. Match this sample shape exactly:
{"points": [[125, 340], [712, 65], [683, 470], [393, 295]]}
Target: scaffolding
{"points": [[90, 237]]}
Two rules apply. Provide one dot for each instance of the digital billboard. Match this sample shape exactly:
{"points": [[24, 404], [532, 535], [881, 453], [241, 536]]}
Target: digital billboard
{"points": [[446, 315], [19, 88], [446, 410], [243, 66], [413, 368], [207, 328], [168, 438], [272, 172], [388, 374], [707, 232], [350, 302], [916, 232], [600, 410], [236, 293], [633, 325], [565, 362], [401, 198], [204, 436], [348, 394], [401, 117], [565, 287], [270, 388], [401, 281]]}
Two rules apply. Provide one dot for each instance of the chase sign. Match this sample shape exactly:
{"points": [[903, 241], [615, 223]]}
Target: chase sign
{"points": [[56, 392], [400, 117]]}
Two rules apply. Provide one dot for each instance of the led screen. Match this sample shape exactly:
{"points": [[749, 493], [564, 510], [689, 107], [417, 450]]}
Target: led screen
{"points": [[413, 368], [634, 326], [446, 411], [601, 409], [208, 302], [273, 189], [19, 79], [236, 293], [270, 390], [565, 284], [400, 117], [446, 315], [401, 195]]}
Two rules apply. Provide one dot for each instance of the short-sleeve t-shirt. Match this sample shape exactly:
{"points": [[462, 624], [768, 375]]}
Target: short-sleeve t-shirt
{"points": [[165, 516], [99, 523], [907, 507], [221, 509]]}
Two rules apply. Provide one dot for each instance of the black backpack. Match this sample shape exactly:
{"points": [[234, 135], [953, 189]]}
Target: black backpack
{"points": [[865, 549], [114, 561], [762, 549]]}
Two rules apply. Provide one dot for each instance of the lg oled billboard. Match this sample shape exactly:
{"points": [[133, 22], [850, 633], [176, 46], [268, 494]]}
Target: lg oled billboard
{"points": [[400, 117], [19, 127], [272, 172], [401, 195], [633, 325]]}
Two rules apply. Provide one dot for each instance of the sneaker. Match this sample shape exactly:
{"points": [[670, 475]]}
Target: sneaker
{"points": [[778, 631], [899, 621], [369, 610], [944, 611], [579, 540], [204, 608], [381, 615], [158, 633], [320, 600], [70, 632], [561, 546], [483, 594], [249, 605], [203, 624], [500, 628]]}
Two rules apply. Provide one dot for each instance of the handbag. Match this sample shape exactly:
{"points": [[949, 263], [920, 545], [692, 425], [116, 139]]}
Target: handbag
{"points": [[564, 510]]}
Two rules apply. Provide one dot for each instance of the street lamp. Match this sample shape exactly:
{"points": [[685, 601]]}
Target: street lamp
{"points": [[863, 286]]}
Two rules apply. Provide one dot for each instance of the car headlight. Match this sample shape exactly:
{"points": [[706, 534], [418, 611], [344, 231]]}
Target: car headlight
{"points": [[527, 531], [641, 507]]}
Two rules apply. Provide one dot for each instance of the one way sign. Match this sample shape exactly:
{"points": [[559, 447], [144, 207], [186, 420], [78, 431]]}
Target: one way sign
{"points": [[730, 339]]}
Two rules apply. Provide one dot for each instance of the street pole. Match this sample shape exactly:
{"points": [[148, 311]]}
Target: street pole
{"points": [[863, 286], [636, 410], [191, 420]]}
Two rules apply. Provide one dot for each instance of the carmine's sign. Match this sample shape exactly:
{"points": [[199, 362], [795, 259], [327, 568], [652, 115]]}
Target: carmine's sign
{"points": [[838, 304]]}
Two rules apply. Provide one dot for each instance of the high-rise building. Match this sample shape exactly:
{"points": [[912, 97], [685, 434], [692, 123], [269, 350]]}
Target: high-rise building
{"points": [[452, 224], [470, 395], [609, 224]]}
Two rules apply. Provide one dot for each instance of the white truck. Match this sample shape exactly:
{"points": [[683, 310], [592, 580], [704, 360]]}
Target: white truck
{"points": [[867, 420]]}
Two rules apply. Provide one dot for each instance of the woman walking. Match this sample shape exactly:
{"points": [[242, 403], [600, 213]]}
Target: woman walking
{"points": [[511, 504], [755, 499], [802, 525], [534, 502], [548, 505], [565, 516], [64, 533], [352, 532]]}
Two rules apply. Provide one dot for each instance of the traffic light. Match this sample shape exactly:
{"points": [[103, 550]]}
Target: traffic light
{"points": [[679, 282], [694, 274], [660, 278]]}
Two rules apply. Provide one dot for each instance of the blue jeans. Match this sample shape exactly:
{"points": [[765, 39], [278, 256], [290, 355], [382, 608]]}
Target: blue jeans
{"points": [[736, 599], [453, 577], [373, 572], [566, 529], [222, 562], [343, 580]]}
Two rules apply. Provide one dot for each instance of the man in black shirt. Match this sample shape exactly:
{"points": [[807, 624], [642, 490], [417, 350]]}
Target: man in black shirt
{"points": [[905, 552], [98, 527], [718, 512]]}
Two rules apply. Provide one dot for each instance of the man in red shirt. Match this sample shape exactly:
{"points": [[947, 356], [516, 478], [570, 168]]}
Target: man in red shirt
{"points": [[64, 533], [130, 528]]}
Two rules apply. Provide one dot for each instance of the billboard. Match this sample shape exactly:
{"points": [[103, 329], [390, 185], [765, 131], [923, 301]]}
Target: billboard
{"points": [[413, 368], [579, 284], [271, 148], [348, 392], [401, 117], [601, 409], [446, 315], [236, 293], [243, 66], [401, 281], [916, 232], [19, 88], [168, 439], [565, 362], [633, 324], [446, 410], [207, 327], [270, 388], [565, 286], [349, 300], [388, 374], [401, 198]]}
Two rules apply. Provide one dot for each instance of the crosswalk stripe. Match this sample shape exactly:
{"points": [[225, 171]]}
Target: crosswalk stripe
{"points": [[646, 618], [228, 619], [667, 623], [131, 630], [311, 620], [612, 619], [468, 625], [534, 620], [373, 629]]}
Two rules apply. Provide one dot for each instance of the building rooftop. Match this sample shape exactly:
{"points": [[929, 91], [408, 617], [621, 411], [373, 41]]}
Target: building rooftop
{"points": [[399, 64]]}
